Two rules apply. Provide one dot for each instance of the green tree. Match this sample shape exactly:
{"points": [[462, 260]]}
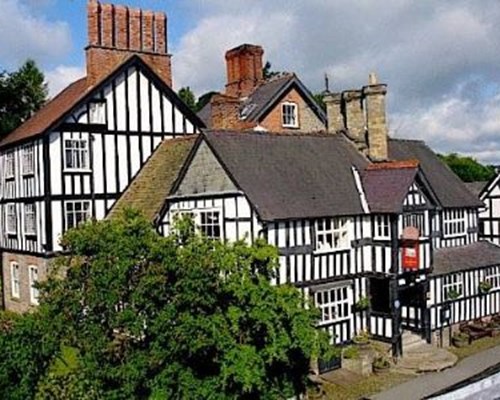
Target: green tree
{"points": [[320, 100], [22, 93], [188, 97], [467, 168], [204, 99], [268, 72], [176, 317]]}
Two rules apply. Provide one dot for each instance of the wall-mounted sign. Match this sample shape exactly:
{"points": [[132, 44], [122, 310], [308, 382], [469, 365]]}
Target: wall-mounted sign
{"points": [[410, 246]]}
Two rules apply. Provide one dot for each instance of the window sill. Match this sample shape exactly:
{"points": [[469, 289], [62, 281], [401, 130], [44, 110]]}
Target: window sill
{"points": [[332, 250], [77, 171], [456, 235], [336, 321], [30, 235], [10, 178], [28, 174], [291, 126], [11, 233]]}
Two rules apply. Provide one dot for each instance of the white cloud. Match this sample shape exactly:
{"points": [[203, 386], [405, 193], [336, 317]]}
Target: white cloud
{"points": [[440, 60], [24, 33], [62, 76]]}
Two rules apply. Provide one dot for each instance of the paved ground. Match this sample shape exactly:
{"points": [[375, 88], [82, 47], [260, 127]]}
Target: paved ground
{"points": [[430, 383], [424, 357]]}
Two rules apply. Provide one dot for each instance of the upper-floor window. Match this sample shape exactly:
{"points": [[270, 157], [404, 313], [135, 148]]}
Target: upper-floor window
{"points": [[76, 154], [97, 112], [332, 234], [10, 164], [382, 227], [11, 218], [416, 220], [454, 222], [15, 281], [208, 222], [334, 304], [28, 161], [453, 286], [76, 212], [289, 114], [33, 271], [492, 276], [30, 219]]}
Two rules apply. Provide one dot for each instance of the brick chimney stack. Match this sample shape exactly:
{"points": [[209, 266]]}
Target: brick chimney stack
{"points": [[117, 32], [244, 69]]}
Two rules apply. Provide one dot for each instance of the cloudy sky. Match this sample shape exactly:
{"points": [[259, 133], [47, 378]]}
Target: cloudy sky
{"points": [[440, 59]]}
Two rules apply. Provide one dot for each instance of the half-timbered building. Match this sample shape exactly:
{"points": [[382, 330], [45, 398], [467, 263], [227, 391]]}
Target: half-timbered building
{"points": [[353, 219], [72, 160]]}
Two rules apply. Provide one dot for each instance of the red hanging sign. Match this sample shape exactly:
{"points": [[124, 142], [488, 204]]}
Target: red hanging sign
{"points": [[411, 249]]}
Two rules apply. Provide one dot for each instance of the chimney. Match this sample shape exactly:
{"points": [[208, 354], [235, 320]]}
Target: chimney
{"points": [[244, 69], [354, 114], [334, 112], [117, 32], [374, 94]]}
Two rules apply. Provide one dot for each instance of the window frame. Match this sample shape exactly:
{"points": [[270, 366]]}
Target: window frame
{"points": [[98, 106], [10, 229], [450, 220], [492, 276], [34, 292], [343, 228], [82, 211], [202, 227], [337, 307], [457, 284], [82, 154], [15, 280], [30, 156], [196, 216], [286, 115], [10, 164], [382, 227], [33, 231]]}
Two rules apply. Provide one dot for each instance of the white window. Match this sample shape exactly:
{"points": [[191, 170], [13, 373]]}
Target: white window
{"points": [[416, 220], [97, 113], [30, 219], [76, 212], [28, 161], [492, 276], [453, 286], [76, 154], [454, 222], [332, 234], [334, 304], [11, 218], [10, 164], [33, 280], [207, 222], [289, 114], [382, 227], [14, 280]]}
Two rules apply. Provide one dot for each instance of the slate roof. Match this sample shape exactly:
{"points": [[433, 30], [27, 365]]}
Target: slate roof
{"points": [[386, 188], [49, 113], [449, 189], [264, 97], [150, 187], [291, 176], [476, 187], [475, 255]]}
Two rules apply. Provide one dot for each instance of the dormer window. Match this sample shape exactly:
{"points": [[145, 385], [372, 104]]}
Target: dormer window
{"points": [[289, 114], [97, 112]]}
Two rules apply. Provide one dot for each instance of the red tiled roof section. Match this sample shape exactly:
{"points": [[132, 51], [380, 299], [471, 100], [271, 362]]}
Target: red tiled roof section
{"points": [[394, 165], [48, 114]]}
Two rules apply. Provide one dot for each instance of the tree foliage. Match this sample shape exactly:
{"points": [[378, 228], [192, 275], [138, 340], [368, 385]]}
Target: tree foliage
{"points": [[22, 93], [467, 168], [154, 317], [268, 72], [188, 97]]}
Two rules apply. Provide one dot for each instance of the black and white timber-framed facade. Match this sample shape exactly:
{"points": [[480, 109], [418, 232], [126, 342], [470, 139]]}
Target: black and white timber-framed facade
{"points": [[74, 158]]}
